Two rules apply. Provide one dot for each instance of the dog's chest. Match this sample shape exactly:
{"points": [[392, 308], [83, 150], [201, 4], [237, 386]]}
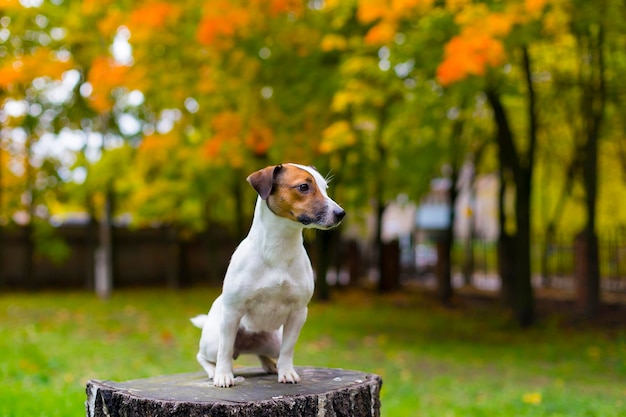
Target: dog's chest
{"points": [[272, 300]]}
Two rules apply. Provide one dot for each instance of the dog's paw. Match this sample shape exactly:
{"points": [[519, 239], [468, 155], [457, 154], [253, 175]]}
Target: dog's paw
{"points": [[288, 376], [224, 380]]}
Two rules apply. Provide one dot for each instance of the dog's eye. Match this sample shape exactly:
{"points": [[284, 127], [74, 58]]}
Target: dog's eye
{"points": [[303, 188]]}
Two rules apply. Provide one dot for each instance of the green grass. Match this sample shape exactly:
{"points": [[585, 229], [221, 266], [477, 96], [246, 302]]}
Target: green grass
{"points": [[434, 361]]}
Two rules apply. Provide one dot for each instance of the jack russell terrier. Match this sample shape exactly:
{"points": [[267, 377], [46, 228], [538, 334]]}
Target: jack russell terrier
{"points": [[269, 281]]}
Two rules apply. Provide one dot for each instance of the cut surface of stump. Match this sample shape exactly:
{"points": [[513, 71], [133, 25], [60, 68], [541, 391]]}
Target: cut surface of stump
{"points": [[322, 392]]}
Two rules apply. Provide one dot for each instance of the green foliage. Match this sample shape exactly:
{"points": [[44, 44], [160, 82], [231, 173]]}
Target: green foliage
{"points": [[466, 361], [48, 245]]}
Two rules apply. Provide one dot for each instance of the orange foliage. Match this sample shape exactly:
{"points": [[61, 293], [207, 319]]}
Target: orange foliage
{"points": [[469, 54], [534, 7], [23, 69], [227, 128], [382, 33], [371, 10], [387, 14], [278, 7], [105, 75], [259, 139], [152, 16], [479, 44], [157, 149], [221, 19]]}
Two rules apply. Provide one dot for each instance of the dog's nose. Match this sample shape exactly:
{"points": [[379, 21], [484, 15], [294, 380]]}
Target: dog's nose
{"points": [[339, 214]]}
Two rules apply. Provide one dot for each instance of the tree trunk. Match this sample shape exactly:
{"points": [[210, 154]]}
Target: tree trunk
{"points": [[520, 288], [445, 290], [104, 252], [593, 103], [524, 300], [322, 392]]}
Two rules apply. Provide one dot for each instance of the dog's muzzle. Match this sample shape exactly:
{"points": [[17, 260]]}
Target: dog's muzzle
{"points": [[326, 219]]}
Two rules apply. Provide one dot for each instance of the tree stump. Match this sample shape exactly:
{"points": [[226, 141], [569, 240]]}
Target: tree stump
{"points": [[322, 392]]}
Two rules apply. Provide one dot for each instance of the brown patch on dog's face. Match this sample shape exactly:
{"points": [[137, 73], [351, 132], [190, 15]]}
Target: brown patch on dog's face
{"points": [[295, 195]]}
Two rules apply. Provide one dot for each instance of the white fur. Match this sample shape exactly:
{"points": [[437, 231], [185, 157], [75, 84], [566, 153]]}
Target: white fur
{"points": [[264, 299]]}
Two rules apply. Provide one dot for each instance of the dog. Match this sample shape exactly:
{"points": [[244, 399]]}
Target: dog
{"points": [[269, 281]]}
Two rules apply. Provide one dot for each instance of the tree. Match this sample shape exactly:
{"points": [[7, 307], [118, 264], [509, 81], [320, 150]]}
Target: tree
{"points": [[478, 47]]}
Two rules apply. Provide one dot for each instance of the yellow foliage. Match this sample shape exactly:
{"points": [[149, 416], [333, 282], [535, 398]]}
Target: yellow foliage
{"points": [[109, 24], [332, 42], [341, 101], [456, 5], [533, 398], [400, 7], [9, 4], [94, 7], [336, 136], [557, 20]]}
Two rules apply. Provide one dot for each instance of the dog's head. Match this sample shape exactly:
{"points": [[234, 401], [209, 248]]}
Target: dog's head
{"points": [[298, 193]]}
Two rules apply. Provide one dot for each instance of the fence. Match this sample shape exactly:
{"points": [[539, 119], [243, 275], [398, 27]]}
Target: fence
{"points": [[552, 261], [157, 256], [140, 257]]}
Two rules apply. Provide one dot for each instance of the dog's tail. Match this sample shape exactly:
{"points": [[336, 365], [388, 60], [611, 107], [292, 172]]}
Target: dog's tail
{"points": [[199, 320]]}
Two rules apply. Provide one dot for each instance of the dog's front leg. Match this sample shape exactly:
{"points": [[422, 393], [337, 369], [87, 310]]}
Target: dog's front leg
{"points": [[224, 367], [291, 331]]}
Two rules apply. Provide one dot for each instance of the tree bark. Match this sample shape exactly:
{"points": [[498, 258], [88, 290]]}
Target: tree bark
{"points": [[322, 392]]}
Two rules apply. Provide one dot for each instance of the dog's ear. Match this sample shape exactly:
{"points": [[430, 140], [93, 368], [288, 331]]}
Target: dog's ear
{"points": [[263, 180]]}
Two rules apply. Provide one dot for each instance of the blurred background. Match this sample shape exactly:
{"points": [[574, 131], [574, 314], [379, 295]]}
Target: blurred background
{"points": [[478, 147], [473, 144]]}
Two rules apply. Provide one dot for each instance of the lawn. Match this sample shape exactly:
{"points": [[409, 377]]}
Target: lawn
{"points": [[434, 362]]}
